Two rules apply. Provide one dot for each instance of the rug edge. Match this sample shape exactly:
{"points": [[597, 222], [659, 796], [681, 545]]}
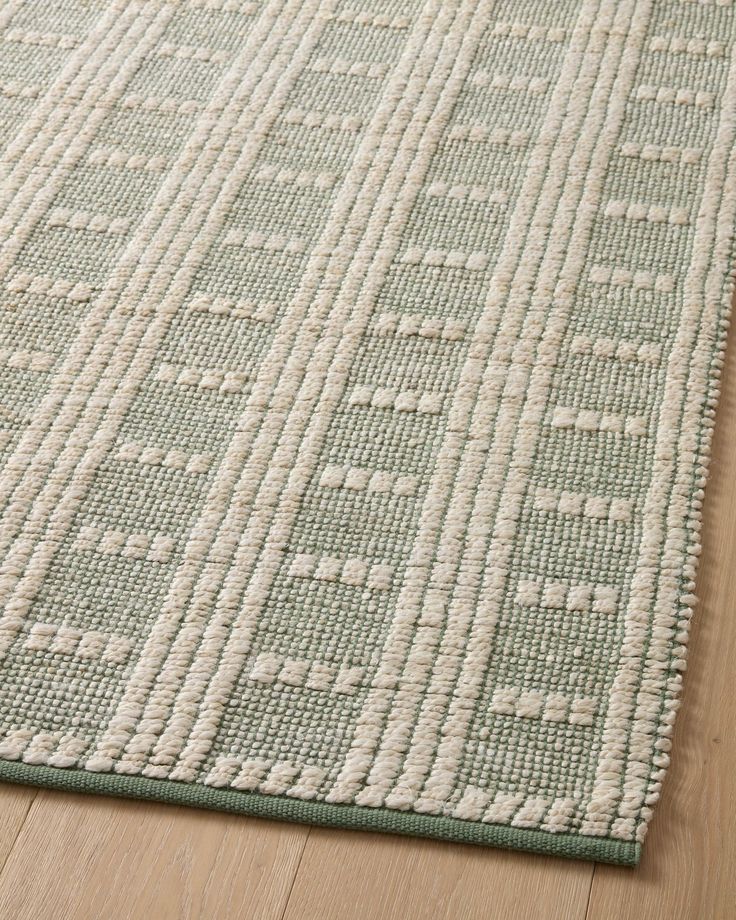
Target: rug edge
{"points": [[350, 817]]}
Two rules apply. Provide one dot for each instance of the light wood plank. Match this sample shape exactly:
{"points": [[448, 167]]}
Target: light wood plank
{"points": [[688, 869], [15, 802], [361, 876], [87, 857]]}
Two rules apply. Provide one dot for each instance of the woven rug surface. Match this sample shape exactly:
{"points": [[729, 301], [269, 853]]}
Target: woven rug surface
{"points": [[358, 368]]}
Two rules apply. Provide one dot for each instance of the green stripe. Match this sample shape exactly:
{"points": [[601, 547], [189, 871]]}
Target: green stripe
{"points": [[354, 817]]}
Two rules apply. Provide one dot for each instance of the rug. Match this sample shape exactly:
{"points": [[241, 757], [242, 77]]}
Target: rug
{"points": [[359, 362]]}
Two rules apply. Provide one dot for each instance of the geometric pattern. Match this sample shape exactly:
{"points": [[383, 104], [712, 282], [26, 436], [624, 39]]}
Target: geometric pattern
{"points": [[359, 362]]}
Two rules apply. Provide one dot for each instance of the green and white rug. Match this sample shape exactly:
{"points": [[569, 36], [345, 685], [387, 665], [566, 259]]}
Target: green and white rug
{"points": [[358, 368]]}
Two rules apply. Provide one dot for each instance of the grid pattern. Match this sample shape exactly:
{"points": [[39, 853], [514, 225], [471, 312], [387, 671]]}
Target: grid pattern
{"points": [[358, 365]]}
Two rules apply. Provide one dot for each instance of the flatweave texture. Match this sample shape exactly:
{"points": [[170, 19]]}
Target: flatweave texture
{"points": [[358, 363]]}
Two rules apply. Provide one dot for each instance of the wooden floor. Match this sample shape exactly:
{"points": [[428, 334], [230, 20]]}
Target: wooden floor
{"points": [[87, 858]]}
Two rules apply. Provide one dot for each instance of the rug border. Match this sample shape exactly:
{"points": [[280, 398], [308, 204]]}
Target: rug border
{"points": [[351, 817]]}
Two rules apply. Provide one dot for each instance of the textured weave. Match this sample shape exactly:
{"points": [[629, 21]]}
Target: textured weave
{"points": [[358, 366]]}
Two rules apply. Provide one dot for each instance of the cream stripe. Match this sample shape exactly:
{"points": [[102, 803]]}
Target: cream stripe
{"points": [[398, 731], [76, 75], [62, 134], [153, 280], [270, 89], [45, 413], [106, 320], [325, 382], [370, 723], [519, 425], [636, 705], [361, 175]]}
